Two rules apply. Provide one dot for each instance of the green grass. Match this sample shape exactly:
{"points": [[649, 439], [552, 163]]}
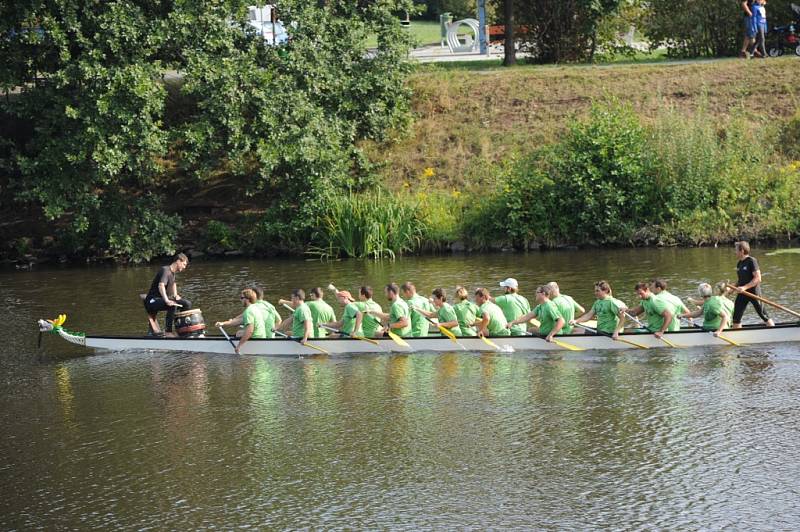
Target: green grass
{"points": [[424, 31], [468, 118]]}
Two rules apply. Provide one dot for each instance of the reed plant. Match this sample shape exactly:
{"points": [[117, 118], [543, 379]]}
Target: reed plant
{"points": [[373, 225]]}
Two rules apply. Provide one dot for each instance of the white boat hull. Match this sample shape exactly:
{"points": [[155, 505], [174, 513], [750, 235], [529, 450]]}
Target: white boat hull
{"points": [[341, 346]]}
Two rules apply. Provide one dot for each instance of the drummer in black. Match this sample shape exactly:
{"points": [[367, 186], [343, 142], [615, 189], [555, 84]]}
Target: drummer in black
{"points": [[163, 294], [749, 279]]}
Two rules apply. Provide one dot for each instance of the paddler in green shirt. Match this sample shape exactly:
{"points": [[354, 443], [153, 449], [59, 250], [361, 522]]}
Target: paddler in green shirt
{"points": [[370, 323], [489, 318], [300, 322], [551, 322], [717, 310], [466, 312], [271, 316], [398, 319], [419, 325], [567, 307], [608, 310], [513, 305], [321, 312], [352, 316], [659, 288], [251, 319], [658, 311], [445, 313]]}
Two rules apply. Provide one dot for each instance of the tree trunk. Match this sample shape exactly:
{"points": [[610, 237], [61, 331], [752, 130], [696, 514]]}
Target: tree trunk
{"points": [[510, 53]]}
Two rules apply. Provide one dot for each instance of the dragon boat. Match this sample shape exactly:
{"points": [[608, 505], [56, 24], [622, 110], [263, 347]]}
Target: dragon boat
{"points": [[689, 337]]}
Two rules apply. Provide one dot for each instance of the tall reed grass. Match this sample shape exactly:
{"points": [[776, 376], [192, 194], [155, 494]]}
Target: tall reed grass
{"points": [[373, 225]]}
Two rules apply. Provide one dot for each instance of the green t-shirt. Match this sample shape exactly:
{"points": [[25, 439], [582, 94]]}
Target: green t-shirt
{"points": [[466, 312], [677, 308], [370, 323], [712, 310], [547, 313], [253, 315], [349, 317], [399, 309], [513, 306], [447, 313], [654, 308], [419, 325], [607, 313], [321, 312], [271, 317], [567, 307], [497, 321], [301, 315]]}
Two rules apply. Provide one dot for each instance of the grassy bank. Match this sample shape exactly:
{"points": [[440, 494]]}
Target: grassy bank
{"points": [[465, 119]]}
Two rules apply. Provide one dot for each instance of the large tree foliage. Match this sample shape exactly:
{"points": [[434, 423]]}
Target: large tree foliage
{"points": [[554, 31], [689, 28], [97, 132]]}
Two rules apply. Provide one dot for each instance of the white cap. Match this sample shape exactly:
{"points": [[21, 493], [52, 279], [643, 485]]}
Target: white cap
{"points": [[510, 283]]}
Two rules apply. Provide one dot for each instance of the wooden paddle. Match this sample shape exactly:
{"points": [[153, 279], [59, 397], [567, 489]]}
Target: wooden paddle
{"points": [[640, 324], [395, 338], [763, 300], [299, 341], [602, 333], [339, 331], [444, 330], [228, 338], [721, 337], [489, 342], [559, 343]]}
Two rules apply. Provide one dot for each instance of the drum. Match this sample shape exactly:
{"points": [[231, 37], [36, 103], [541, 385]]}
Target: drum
{"points": [[189, 323]]}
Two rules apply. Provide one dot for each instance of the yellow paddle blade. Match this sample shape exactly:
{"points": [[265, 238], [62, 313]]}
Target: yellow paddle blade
{"points": [[489, 342], [366, 339], [445, 331], [737, 344], [592, 324], [397, 339], [565, 345], [640, 346], [315, 347], [535, 322], [668, 342]]}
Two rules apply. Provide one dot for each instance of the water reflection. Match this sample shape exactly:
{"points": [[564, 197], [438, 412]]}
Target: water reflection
{"points": [[666, 438]]}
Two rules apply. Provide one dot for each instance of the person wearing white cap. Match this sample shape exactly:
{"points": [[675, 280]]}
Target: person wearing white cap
{"points": [[513, 305]]}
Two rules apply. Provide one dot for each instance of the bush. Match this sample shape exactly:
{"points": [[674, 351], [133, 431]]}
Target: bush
{"points": [[374, 225], [790, 137]]}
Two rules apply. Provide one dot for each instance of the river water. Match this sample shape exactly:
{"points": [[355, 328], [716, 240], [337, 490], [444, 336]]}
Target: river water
{"points": [[685, 438]]}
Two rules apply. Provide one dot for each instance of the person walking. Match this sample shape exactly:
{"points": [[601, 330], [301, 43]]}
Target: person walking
{"points": [[760, 28], [749, 29], [749, 280]]}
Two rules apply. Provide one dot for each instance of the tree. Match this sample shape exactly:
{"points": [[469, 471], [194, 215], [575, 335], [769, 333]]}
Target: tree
{"points": [[561, 30], [101, 147], [510, 48]]}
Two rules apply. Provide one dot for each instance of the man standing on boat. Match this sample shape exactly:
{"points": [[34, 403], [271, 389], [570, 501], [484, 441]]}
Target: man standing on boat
{"points": [[163, 294], [748, 280], [252, 319], [513, 305], [419, 325], [660, 317], [398, 318], [567, 307]]}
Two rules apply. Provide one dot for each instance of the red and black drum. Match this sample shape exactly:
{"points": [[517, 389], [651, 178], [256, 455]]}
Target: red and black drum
{"points": [[189, 323]]}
